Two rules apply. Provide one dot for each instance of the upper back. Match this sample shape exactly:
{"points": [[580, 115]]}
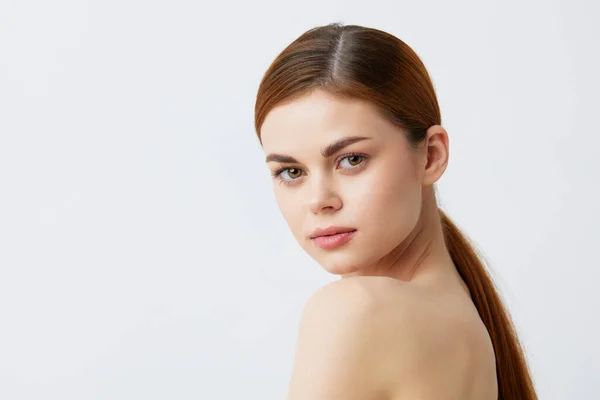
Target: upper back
{"points": [[434, 339]]}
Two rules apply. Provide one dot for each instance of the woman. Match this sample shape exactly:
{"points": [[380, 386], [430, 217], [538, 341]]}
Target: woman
{"points": [[350, 125]]}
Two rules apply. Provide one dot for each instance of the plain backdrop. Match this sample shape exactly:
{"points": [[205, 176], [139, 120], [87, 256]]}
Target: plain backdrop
{"points": [[142, 254]]}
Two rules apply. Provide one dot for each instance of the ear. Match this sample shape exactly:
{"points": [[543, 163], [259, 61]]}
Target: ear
{"points": [[436, 153]]}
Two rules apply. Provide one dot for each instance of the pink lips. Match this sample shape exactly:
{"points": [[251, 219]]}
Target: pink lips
{"points": [[332, 237]]}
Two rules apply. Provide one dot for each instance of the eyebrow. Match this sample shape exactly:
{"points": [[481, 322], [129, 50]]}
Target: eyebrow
{"points": [[326, 152]]}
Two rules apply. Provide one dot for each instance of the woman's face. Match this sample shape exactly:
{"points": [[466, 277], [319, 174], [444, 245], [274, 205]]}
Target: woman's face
{"points": [[372, 184]]}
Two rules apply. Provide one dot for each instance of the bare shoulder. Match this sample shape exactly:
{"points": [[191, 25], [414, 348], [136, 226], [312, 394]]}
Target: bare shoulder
{"points": [[344, 342], [369, 305], [382, 301], [380, 338], [363, 291]]}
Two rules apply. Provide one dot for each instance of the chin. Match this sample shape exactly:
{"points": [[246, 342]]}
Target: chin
{"points": [[338, 264], [348, 259]]}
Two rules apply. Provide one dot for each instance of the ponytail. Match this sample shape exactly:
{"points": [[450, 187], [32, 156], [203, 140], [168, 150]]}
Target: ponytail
{"points": [[514, 379]]}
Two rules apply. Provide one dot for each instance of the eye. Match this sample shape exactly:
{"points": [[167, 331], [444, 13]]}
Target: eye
{"points": [[290, 175], [293, 173], [354, 160]]}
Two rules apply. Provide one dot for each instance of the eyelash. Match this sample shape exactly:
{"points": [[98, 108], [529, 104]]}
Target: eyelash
{"points": [[277, 173]]}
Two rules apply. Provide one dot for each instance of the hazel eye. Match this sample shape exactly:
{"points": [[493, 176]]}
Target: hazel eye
{"points": [[353, 160], [293, 173]]}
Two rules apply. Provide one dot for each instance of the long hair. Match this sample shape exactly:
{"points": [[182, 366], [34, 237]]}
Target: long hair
{"points": [[364, 63]]}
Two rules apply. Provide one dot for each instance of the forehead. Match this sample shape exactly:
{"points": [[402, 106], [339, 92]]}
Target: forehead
{"points": [[315, 120]]}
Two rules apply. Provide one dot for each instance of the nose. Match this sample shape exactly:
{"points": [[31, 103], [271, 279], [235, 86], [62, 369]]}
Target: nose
{"points": [[324, 198]]}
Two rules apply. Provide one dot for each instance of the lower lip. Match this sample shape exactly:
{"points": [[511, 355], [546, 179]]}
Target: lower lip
{"points": [[333, 241]]}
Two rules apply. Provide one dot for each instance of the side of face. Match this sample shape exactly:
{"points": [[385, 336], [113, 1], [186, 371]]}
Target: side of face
{"points": [[373, 185]]}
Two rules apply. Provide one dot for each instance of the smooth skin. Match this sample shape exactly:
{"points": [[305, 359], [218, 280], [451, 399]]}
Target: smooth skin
{"points": [[400, 324]]}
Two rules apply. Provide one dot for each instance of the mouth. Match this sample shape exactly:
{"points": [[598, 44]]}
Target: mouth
{"points": [[333, 238], [331, 231]]}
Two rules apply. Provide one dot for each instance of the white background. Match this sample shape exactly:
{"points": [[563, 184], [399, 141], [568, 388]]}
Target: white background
{"points": [[142, 255]]}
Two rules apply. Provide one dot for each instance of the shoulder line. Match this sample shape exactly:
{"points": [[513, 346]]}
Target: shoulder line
{"points": [[356, 316]]}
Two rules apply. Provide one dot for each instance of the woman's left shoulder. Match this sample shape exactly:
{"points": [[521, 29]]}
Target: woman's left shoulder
{"points": [[378, 292], [340, 352], [356, 336], [375, 304]]}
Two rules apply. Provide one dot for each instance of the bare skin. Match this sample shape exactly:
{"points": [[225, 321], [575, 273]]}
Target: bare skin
{"points": [[400, 323]]}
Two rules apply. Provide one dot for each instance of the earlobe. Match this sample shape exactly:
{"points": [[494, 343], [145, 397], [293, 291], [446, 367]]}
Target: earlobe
{"points": [[437, 151]]}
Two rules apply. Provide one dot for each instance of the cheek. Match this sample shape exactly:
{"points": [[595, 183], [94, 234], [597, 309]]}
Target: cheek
{"points": [[290, 208], [389, 200]]}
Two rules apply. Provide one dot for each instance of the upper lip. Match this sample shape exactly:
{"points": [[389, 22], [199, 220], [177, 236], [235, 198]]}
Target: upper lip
{"points": [[332, 230]]}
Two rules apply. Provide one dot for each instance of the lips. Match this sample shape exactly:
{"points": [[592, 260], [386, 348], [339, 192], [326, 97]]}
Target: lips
{"points": [[330, 231], [332, 238]]}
